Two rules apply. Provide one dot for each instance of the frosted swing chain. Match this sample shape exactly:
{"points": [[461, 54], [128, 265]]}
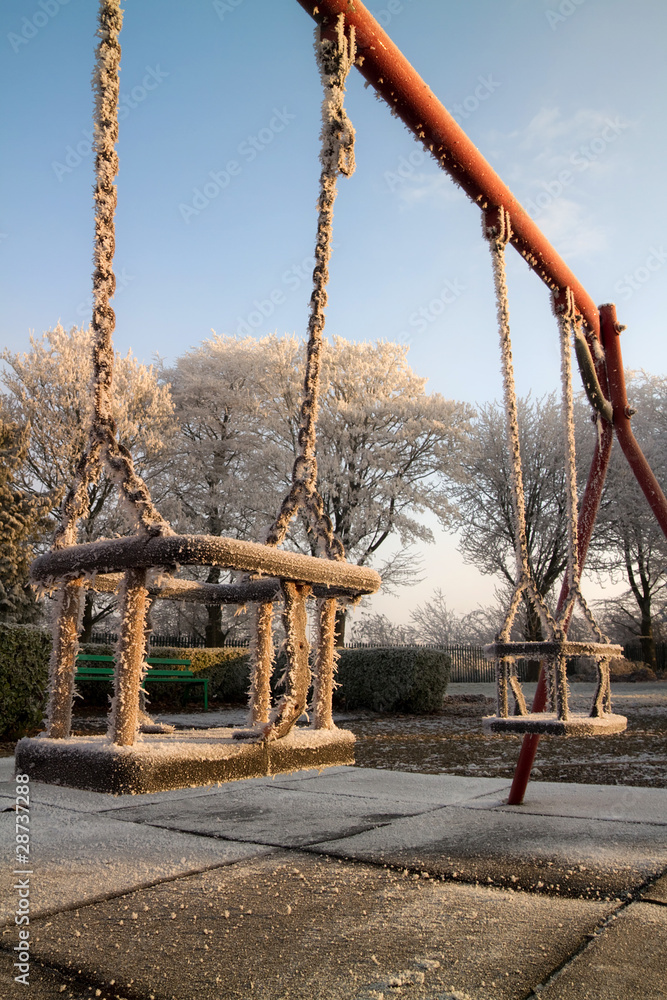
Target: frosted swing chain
{"points": [[570, 325], [335, 58], [498, 233], [497, 230], [103, 446]]}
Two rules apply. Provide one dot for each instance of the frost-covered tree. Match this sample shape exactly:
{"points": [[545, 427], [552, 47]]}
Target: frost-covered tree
{"points": [[384, 447], [629, 543], [377, 629], [483, 500], [47, 388], [216, 478], [23, 522], [434, 623]]}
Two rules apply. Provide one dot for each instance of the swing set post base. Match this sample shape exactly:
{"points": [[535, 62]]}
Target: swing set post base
{"points": [[529, 748]]}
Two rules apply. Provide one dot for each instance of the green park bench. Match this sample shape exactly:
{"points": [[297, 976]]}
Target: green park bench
{"points": [[96, 666]]}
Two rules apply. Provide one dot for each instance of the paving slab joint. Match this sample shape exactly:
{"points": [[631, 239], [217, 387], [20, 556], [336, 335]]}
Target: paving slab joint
{"points": [[138, 887], [640, 894], [588, 939]]}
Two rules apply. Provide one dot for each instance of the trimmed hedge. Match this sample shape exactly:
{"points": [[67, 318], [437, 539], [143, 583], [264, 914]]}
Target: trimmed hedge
{"points": [[227, 669], [392, 679], [24, 673]]}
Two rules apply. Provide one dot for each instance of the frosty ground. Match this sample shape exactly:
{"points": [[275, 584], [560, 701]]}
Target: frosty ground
{"points": [[405, 875], [454, 741]]}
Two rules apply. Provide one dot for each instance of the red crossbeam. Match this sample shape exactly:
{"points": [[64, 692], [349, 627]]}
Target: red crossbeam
{"points": [[391, 75]]}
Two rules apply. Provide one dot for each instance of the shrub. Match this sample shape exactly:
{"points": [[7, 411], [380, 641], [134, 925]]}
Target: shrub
{"points": [[227, 669], [24, 671], [392, 679]]}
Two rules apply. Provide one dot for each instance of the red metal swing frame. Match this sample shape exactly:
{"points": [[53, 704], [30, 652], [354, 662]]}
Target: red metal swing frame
{"points": [[390, 74]]}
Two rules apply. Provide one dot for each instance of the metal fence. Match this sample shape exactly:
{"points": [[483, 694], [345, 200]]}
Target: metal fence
{"points": [[469, 665], [178, 641], [633, 651]]}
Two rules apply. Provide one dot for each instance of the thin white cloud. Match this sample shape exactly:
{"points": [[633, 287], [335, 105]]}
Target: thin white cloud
{"points": [[435, 188], [566, 224], [552, 164]]}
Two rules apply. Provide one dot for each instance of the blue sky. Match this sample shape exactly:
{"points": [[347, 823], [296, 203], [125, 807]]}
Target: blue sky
{"points": [[218, 180]]}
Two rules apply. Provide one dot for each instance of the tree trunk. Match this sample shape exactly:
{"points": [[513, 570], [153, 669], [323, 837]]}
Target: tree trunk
{"points": [[339, 629], [532, 633], [213, 634], [648, 642], [87, 620]]}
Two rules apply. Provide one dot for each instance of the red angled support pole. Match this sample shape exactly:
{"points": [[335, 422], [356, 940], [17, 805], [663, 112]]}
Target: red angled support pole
{"points": [[611, 340]]}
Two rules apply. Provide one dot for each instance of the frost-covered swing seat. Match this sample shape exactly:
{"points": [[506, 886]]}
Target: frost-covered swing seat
{"points": [[134, 757]]}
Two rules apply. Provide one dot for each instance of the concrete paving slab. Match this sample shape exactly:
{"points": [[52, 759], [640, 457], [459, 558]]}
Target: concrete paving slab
{"points": [[301, 926], [574, 857], [401, 786], [43, 983], [7, 783], [274, 815], [623, 803], [625, 960], [657, 891], [81, 800], [78, 857]]}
